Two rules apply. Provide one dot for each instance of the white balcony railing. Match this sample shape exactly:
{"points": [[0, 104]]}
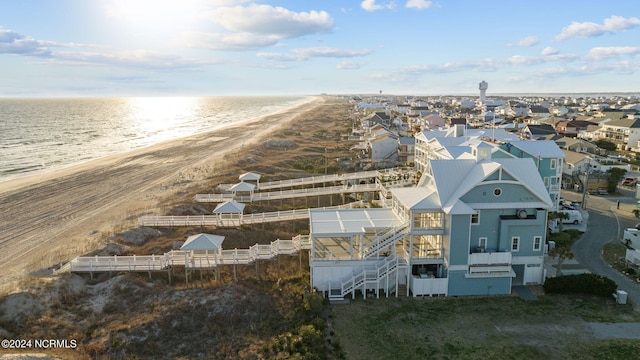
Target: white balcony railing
{"points": [[490, 258]]}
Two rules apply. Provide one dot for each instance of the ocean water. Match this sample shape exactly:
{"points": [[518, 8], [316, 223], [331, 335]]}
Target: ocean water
{"points": [[45, 134]]}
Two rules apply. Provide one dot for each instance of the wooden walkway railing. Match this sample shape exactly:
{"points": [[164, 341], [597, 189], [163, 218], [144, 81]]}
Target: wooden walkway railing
{"points": [[288, 194], [224, 220], [188, 259], [387, 177], [278, 184]]}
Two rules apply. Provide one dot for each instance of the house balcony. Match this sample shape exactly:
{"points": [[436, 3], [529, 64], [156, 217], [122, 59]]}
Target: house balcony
{"points": [[491, 264], [490, 258]]}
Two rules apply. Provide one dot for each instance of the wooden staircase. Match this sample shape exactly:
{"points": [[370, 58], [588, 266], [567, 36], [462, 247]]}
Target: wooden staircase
{"points": [[368, 275], [388, 238]]}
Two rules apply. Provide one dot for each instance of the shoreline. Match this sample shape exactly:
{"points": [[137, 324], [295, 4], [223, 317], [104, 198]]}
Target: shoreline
{"points": [[49, 218], [14, 183]]}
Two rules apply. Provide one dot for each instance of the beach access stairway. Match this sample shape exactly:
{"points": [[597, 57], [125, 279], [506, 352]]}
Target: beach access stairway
{"points": [[189, 259], [382, 275], [224, 220], [312, 180], [289, 194], [375, 180]]}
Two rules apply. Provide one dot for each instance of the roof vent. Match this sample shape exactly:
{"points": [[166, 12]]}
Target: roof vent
{"points": [[522, 213]]}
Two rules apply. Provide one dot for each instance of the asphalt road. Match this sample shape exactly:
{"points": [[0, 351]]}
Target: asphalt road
{"points": [[606, 223]]}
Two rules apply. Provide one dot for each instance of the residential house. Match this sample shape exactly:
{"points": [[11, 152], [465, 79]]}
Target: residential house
{"points": [[430, 143], [472, 226], [559, 110], [521, 109], [378, 117], [549, 160], [382, 147], [406, 149], [402, 108], [576, 163], [534, 132], [571, 128], [577, 145], [625, 133], [539, 112], [432, 121]]}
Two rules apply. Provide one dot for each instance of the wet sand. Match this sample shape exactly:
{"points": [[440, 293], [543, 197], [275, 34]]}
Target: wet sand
{"points": [[49, 218]]}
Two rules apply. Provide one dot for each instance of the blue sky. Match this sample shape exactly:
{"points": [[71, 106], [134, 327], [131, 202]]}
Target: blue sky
{"points": [[243, 47]]}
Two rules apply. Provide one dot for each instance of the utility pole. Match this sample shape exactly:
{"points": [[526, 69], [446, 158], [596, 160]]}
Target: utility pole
{"points": [[586, 184]]}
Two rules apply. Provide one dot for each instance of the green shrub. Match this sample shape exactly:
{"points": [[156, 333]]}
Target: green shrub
{"points": [[581, 283]]}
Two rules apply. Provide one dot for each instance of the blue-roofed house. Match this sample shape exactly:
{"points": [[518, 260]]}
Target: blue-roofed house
{"points": [[548, 159], [474, 225]]}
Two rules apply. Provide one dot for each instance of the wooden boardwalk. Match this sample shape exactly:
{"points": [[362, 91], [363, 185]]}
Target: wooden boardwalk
{"points": [[289, 194], [376, 180], [312, 180], [223, 220], [187, 259]]}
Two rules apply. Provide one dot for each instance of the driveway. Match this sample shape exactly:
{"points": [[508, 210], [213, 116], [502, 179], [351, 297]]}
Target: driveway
{"points": [[606, 223]]}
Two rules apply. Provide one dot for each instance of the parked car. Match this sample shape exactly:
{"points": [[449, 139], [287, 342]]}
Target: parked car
{"points": [[598, 191], [629, 181], [575, 217]]}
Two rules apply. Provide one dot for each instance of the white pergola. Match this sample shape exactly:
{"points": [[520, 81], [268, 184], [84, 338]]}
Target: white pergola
{"points": [[341, 234]]}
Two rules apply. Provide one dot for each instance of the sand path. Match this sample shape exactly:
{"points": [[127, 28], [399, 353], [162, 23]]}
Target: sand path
{"points": [[48, 218]]}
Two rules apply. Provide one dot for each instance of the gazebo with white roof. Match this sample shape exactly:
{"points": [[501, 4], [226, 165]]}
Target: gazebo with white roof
{"points": [[202, 252], [229, 214], [243, 189], [251, 177]]}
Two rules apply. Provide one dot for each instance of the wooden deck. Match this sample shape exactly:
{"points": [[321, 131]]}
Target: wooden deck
{"points": [[223, 220], [187, 259]]}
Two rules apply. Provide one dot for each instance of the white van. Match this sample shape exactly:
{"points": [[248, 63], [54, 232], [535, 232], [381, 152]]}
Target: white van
{"points": [[575, 217]]}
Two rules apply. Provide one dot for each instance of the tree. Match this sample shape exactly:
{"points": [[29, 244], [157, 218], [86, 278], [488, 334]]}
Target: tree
{"points": [[606, 145], [614, 176], [555, 216], [564, 240]]}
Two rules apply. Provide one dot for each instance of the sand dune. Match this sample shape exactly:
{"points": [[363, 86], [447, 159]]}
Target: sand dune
{"points": [[49, 218]]}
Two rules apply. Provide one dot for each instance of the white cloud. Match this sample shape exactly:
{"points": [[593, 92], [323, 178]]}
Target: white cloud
{"points": [[266, 19], [479, 65], [132, 59], [331, 52], [302, 54], [599, 53], [228, 41], [549, 51], [614, 24], [371, 5], [526, 41], [419, 4], [350, 65], [12, 42]]}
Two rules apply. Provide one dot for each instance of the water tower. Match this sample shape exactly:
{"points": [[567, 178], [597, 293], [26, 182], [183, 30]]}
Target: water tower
{"points": [[483, 90]]}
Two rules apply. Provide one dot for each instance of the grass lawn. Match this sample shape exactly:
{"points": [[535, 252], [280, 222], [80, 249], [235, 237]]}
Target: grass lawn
{"points": [[480, 328]]}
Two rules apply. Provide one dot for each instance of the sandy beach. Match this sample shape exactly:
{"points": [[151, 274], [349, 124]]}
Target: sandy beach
{"points": [[49, 218]]}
